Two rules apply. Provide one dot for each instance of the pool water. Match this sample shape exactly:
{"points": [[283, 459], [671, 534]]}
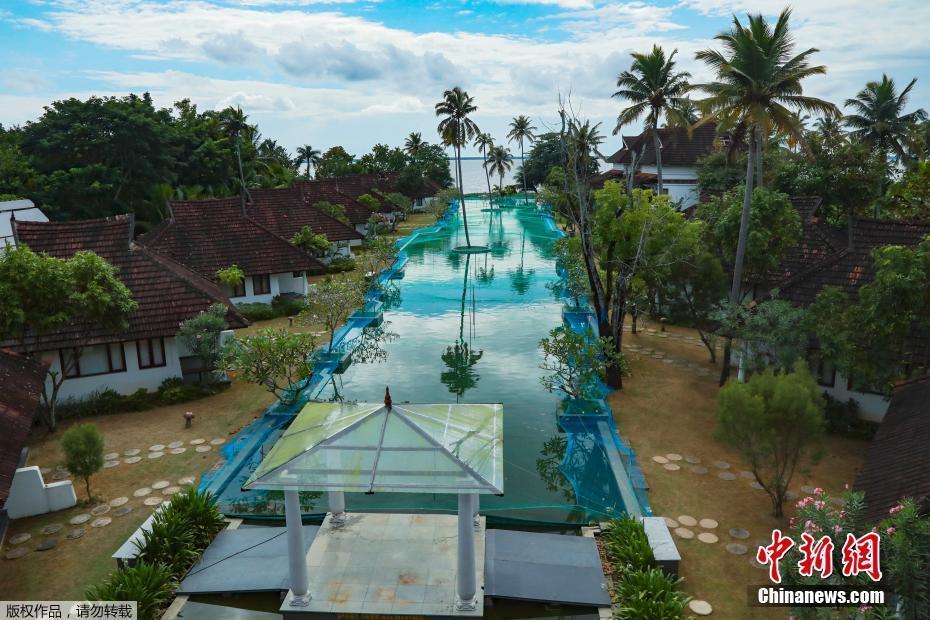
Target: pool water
{"points": [[465, 328]]}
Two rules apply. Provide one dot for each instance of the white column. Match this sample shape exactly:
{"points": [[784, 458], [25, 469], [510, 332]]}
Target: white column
{"points": [[476, 502], [465, 586], [296, 556], [337, 506]]}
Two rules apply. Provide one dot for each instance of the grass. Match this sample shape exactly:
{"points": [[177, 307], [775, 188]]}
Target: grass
{"points": [[664, 409]]}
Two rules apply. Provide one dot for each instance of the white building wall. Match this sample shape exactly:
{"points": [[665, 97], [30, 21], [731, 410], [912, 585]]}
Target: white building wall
{"points": [[872, 407], [287, 283], [679, 181], [251, 298], [30, 496]]}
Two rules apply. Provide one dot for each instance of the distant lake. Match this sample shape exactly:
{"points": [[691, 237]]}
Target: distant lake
{"points": [[473, 179]]}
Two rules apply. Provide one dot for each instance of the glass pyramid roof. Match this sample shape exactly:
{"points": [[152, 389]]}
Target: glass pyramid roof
{"points": [[367, 448]]}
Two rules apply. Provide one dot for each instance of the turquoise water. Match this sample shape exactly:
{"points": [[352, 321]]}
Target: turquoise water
{"points": [[465, 328]]}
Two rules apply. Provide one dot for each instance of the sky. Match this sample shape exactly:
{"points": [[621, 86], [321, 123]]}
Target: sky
{"points": [[358, 72]]}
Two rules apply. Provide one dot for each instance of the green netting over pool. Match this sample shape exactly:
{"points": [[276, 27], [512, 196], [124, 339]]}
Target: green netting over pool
{"points": [[462, 328]]}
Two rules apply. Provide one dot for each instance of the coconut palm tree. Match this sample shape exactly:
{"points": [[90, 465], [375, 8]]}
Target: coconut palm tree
{"points": [[684, 113], [413, 143], [484, 142], [879, 118], [234, 123], [521, 128], [499, 162], [654, 88], [457, 130], [309, 155]]}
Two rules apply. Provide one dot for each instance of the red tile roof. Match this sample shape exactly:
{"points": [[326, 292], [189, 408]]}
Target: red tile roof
{"points": [[209, 235], [284, 212], [346, 190], [22, 379], [897, 463], [165, 292], [678, 149], [328, 190]]}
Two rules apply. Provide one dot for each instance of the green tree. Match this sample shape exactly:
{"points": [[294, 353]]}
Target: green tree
{"points": [[334, 211], [383, 159], [332, 301], [567, 252], [654, 89], [276, 359], [773, 420], [909, 198], [413, 143], [457, 130], [378, 255], [521, 130], [336, 162], [231, 276], [576, 362], [768, 332], [692, 294], [484, 142], [308, 155], [315, 244], [369, 202], [82, 445], [499, 162], [433, 164], [201, 336]]}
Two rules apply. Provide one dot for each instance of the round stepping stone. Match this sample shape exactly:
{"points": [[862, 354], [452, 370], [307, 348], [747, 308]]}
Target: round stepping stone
{"points": [[157, 448], [671, 467], [726, 475], [186, 480], [116, 502], [122, 511], [708, 524], [701, 608], [669, 361], [99, 511], [132, 452], [141, 492], [79, 519], [748, 475], [152, 501], [661, 460], [177, 450], [102, 522], [756, 485], [175, 444], [15, 553], [196, 442], [171, 490], [217, 441], [707, 537], [47, 544], [683, 532], [791, 496], [132, 459], [700, 470], [673, 457], [52, 528], [737, 549], [687, 521], [60, 475], [161, 484], [809, 490], [721, 465], [739, 533], [18, 539], [109, 464], [693, 460], [671, 523], [111, 456], [75, 533], [155, 455], [202, 448]]}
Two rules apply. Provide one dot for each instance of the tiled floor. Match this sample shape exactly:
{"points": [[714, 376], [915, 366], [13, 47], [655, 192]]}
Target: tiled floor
{"points": [[397, 564]]}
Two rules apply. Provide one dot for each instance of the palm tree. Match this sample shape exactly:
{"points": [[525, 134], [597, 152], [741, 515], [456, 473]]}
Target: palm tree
{"points": [[413, 143], [309, 155], [484, 142], [234, 123], [880, 120], [758, 90], [521, 128], [499, 162], [457, 130], [684, 113], [653, 87]]}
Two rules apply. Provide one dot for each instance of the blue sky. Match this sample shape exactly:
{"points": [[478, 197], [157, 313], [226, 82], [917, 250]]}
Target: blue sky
{"points": [[330, 72]]}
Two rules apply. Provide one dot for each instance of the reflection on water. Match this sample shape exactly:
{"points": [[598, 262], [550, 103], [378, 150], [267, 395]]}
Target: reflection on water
{"points": [[460, 358]]}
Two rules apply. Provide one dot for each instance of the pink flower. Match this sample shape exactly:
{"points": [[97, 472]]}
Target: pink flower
{"points": [[890, 531], [896, 509], [865, 608], [818, 491], [837, 529], [820, 504]]}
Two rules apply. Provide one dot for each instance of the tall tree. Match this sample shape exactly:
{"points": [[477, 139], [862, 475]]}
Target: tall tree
{"points": [[235, 123], [457, 130], [499, 162], [413, 144], [757, 90], [308, 155], [521, 129], [654, 88], [484, 142]]}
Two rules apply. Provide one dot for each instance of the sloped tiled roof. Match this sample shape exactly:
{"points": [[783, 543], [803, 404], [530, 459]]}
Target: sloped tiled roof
{"points": [[284, 212], [678, 149], [166, 292], [897, 463], [327, 190], [209, 235], [22, 379]]}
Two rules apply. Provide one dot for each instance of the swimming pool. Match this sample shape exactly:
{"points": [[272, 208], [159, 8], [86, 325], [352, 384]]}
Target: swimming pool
{"points": [[465, 328]]}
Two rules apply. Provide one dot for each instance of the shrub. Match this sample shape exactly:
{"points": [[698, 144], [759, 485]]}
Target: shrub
{"points": [[171, 391], [200, 334], [288, 305], [230, 276], [168, 541], [198, 511], [341, 264], [627, 545], [150, 585], [649, 594], [83, 448], [256, 311]]}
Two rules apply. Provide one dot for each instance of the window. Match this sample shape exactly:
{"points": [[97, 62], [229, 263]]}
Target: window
{"points": [[151, 352], [239, 289], [261, 285], [298, 274], [94, 360]]}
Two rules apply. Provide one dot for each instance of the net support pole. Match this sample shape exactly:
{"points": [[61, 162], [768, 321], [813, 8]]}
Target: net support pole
{"points": [[475, 499], [465, 583], [337, 506], [297, 562]]}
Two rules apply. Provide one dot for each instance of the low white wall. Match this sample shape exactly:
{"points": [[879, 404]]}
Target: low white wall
{"points": [[287, 283], [251, 298], [30, 496], [872, 407]]}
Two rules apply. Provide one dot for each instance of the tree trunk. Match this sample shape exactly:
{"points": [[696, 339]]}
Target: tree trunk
{"points": [[758, 156], [87, 486], [711, 346], [487, 175], [633, 316], [658, 149], [458, 165], [617, 315], [522, 166]]}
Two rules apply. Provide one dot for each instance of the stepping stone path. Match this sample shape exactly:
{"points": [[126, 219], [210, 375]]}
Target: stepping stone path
{"points": [[701, 608], [111, 456], [152, 501], [726, 475], [708, 524], [739, 533], [671, 467], [109, 464], [52, 528], [47, 544], [122, 511], [79, 519], [721, 465], [132, 459], [186, 480], [99, 511], [161, 484], [75, 533], [18, 539], [171, 490], [16, 552], [661, 460], [808, 489], [756, 485], [683, 532], [177, 450], [175, 444], [748, 475], [217, 441], [693, 460], [202, 448], [673, 457], [131, 452], [196, 442], [116, 502], [700, 470], [736, 549], [671, 523], [101, 522], [156, 455], [707, 537], [687, 520], [141, 492], [157, 448]]}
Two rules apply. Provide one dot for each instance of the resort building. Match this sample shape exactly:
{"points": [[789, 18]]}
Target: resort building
{"points": [[327, 190], [12, 210], [207, 236], [146, 353]]}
